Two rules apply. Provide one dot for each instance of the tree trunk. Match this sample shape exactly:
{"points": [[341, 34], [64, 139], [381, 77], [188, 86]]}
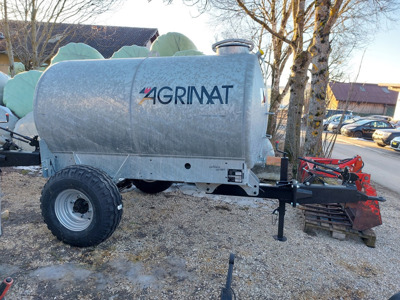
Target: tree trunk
{"points": [[9, 47], [281, 55], [319, 51], [298, 80], [34, 59], [275, 101]]}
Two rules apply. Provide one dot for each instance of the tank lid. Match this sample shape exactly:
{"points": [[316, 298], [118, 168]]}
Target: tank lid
{"points": [[233, 46]]}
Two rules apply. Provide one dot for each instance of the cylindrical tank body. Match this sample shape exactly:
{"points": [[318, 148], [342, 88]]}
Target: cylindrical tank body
{"points": [[200, 107]]}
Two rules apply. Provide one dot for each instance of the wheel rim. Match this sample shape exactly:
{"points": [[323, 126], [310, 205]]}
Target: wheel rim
{"points": [[74, 210]]}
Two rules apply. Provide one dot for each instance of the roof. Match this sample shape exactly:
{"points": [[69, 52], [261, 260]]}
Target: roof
{"points": [[391, 86], [106, 39], [363, 93]]}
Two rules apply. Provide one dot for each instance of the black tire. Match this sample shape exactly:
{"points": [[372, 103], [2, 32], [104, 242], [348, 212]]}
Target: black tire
{"points": [[81, 205], [381, 145], [152, 187], [358, 134]]}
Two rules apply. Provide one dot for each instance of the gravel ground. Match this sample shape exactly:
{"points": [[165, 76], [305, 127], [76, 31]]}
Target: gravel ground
{"points": [[176, 245]]}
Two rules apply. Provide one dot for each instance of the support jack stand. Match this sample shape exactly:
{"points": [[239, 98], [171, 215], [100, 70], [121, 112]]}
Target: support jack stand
{"points": [[281, 211], [282, 204]]}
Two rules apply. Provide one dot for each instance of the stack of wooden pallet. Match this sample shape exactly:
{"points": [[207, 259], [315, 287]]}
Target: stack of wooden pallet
{"points": [[333, 218]]}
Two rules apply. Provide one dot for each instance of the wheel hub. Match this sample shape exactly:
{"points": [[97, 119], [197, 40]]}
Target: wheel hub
{"points": [[74, 210], [80, 206]]}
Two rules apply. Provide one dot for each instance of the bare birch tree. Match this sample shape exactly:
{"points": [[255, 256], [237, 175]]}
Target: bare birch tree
{"points": [[327, 13], [298, 80]]}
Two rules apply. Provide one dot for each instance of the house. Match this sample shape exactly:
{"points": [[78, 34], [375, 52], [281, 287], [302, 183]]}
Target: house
{"points": [[361, 98], [106, 39]]}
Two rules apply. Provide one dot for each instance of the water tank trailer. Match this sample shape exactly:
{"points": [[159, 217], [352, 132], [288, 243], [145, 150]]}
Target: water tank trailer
{"points": [[154, 121]]}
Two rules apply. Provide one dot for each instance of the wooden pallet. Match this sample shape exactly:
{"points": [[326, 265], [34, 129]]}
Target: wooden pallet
{"points": [[332, 217]]}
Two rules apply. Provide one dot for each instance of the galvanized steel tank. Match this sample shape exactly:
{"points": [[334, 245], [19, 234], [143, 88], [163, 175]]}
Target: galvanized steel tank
{"points": [[195, 109]]}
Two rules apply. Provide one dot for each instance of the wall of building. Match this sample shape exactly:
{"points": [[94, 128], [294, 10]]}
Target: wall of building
{"points": [[361, 108], [365, 108], [331, 102], [4, 63], [397, 110]]}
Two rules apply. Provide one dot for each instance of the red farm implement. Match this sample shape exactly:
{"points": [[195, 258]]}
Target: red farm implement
{"points": [[363, 215]]}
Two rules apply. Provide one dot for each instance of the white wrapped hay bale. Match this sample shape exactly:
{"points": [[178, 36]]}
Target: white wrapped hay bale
{"points": [[26, 126], [10, 125], [76, 51], [131, 52], [18, 92], [172, 42], [3, 80]]}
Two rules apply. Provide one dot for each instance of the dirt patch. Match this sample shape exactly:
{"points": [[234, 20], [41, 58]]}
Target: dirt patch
{"points": [[176, 245]]}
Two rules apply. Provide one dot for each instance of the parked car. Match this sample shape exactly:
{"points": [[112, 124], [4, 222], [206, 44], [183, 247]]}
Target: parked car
{"points": [[331, 112], [383, 137], [364, 128], [395, 144], [395, 123], [335, 118], [326, 121], [348, 119], [380, 117]]}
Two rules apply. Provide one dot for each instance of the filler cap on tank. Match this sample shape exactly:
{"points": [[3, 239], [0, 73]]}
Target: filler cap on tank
{"points": [[233, 46]]}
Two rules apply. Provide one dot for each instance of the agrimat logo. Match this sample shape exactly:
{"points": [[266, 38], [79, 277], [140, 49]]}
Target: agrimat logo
{"points": [[187, 95]]}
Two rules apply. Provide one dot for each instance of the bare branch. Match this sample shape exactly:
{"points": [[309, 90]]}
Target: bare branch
{"points": [[262, 23]]}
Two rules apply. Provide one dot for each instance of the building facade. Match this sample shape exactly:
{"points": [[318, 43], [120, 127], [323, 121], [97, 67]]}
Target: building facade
{"points": [[361, 98]]}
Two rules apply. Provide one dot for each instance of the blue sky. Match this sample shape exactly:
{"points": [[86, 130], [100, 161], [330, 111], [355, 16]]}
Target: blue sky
{"points": [[381, 63]]}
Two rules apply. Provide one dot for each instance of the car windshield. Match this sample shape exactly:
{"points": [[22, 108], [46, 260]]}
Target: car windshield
{"points": [[332, 117], [336, 118]]}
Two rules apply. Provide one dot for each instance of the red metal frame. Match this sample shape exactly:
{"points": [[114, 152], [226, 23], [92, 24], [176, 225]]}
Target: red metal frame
{"points": [[363, 215], [354, 164]]}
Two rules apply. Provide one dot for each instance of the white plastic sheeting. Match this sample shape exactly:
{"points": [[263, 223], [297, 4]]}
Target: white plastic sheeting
{"points": [[76, 51], [18, 92], [3, 80], [10, 125], [26, 126], [172, 42], [131, 51], [19, 67]]}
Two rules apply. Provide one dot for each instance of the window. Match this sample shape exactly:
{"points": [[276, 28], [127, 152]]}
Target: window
{"points": [[385, 89], [361, 122], [380, 124]]}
